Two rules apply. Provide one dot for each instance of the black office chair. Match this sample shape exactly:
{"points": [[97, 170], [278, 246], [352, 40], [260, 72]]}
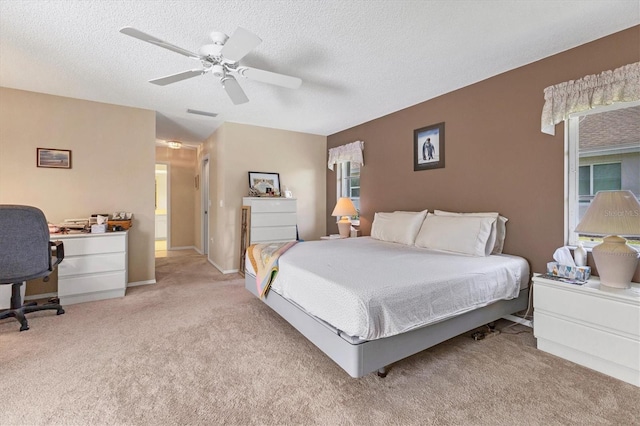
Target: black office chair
{"points": [[26, 254]]}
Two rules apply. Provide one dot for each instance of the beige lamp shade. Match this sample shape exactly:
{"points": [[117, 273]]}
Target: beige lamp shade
{"points": [[613, 213], [344, 208]]}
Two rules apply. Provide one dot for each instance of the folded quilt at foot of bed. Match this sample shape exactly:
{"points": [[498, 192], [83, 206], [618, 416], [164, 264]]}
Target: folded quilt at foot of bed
{"points": [[264, 259]]}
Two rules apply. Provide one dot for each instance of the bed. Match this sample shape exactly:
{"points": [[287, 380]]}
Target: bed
{"points": [[369, 302]]}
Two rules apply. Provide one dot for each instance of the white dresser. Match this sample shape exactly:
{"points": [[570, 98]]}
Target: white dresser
{"points": [[94, 267], [592, 325], [271, 219]]}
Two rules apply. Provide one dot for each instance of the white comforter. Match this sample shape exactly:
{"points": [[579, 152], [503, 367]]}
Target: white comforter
{"points": [[372, 289]]}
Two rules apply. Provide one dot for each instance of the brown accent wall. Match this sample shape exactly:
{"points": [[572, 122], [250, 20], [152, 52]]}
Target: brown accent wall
{"points": [[496, 157]]}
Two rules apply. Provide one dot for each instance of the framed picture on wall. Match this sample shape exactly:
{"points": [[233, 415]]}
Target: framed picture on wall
{"points": [[428, 147], [53, 158], [265, 184]]}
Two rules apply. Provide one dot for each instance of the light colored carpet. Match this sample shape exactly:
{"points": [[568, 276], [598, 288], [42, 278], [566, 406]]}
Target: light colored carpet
{"points": [[197, 348]]}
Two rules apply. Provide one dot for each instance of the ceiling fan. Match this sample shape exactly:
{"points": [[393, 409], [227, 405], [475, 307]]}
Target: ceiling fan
{"points": [[221, 58]]}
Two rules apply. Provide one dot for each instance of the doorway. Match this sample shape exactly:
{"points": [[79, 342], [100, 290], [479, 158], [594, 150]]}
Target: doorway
{"points": [[162, 242]]}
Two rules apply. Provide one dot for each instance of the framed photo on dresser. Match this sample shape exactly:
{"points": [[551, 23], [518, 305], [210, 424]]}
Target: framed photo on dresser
{"points": [[266, 184]]}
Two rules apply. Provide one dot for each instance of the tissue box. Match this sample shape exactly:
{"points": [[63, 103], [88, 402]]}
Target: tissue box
{"points": [[581, 273], [98, 229]]}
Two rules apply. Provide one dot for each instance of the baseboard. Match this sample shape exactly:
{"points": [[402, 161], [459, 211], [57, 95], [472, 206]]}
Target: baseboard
{"points": [[519, 320], [184, 248], [40, 296], [228, 271], [137, 283]]}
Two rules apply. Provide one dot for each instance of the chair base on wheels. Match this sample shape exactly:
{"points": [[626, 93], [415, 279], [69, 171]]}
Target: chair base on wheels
{"points": [[18, 310]]}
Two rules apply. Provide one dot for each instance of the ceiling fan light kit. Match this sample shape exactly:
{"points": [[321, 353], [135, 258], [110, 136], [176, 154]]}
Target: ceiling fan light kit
{"points": [[221, 58]]}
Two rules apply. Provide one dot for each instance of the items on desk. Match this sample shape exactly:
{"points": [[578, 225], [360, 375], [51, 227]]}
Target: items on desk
{"points": [[95, 224]]}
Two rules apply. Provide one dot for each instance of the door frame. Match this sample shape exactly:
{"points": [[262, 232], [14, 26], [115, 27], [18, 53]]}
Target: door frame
{"points": [[205, 203]]}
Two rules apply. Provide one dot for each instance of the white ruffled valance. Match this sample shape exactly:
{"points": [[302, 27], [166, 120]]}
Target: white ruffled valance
{"points": [[350, 152], [560, 100]]}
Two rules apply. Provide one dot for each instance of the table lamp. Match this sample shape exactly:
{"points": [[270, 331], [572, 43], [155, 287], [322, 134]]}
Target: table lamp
{"points": [[345, 209], [613, 213]]}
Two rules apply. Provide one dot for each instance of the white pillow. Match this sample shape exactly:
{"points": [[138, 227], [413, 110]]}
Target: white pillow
{"points": [[499, 230], [397, 227], [459, 234]]}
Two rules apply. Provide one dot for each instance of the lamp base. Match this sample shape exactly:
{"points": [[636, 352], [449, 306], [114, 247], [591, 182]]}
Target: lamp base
{"points": [[344, 228], [616, 262]]}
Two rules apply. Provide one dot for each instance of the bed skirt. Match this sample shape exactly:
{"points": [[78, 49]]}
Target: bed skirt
{"points": [[359, 358]]}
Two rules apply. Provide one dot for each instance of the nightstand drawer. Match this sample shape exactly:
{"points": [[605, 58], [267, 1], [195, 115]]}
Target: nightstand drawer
{"points": [[590, 306], [583, 338]]}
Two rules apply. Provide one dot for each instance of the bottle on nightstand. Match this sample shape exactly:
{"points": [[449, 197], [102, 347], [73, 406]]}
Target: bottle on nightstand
{"points": [[580, 255]]}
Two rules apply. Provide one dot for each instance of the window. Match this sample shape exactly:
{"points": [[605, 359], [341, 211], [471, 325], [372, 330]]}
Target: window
{"points": [[603, 149], [348, 184]]}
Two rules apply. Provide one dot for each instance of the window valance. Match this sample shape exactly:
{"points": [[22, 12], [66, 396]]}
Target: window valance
{"points": [[560, 100], [350, 152]]}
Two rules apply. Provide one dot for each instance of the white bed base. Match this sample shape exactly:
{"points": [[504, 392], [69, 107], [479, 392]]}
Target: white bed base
{"points": [[366, 357]]}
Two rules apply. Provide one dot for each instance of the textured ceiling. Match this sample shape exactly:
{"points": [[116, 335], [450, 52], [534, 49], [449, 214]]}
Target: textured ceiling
{"points": [[358, 60]]}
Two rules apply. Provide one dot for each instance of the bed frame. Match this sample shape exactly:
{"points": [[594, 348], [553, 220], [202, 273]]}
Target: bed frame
{"points": [[365, 357]]}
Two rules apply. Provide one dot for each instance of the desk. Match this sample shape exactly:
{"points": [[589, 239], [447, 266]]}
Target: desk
{"points": [[94, 266]]}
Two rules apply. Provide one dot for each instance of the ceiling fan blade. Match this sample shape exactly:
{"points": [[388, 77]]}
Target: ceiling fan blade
{"points": [[239, 44], [234, 90], [270, 77], [153, 40], [163, 81]]}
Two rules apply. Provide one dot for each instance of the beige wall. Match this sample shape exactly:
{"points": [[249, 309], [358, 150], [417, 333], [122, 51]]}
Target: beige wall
{"points": [[234, 150], [112, 163], [182, 172], [496, 157]]}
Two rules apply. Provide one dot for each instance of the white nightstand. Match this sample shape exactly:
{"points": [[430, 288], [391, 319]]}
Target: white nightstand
{"points": [[592, 325]]}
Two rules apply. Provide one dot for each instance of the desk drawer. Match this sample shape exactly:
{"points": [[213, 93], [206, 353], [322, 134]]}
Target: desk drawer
{"points": [[79, 265], [91, 283], [93, 245]]}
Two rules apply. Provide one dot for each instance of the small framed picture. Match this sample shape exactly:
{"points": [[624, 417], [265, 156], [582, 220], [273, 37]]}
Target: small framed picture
{"points": [[428, 147], [53, 158], [266, 184]]}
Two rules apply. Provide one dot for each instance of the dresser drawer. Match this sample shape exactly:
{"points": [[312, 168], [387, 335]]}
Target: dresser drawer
{"points": [[273, 233], [78, 265], [273, 206], [615, 315], [93, 244], [259, 220], [91, 283]]}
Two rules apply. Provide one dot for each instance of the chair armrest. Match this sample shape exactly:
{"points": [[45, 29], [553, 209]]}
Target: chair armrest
{"points": [[59, 247]]}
